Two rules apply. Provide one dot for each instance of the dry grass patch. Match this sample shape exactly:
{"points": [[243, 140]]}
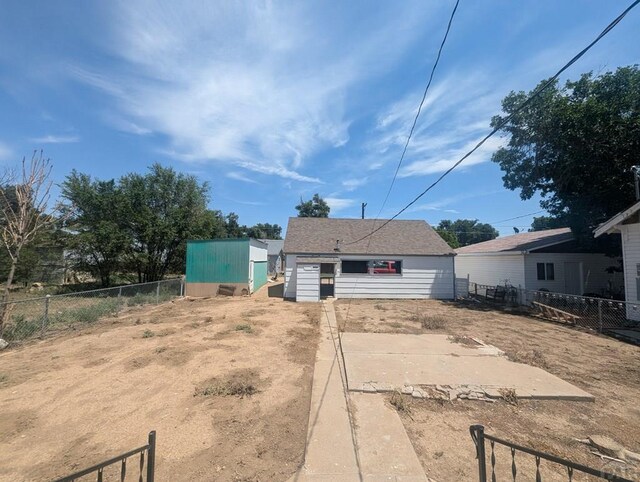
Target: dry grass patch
{"points": [[463, 340], [239, 383], [535, 358], [509, 395], [244, 327], [429, 322], [401, 403]]}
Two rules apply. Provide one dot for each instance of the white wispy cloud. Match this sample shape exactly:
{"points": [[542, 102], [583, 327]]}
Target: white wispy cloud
{"points": [[244, 84], [55, 139], [353, 184], [238, 176], [339, 204], [444, 204], [6, 153]]}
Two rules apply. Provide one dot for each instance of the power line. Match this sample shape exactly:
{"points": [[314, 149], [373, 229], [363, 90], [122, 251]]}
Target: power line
{"points": [[424, 96], [517, 217], [533, 96]]}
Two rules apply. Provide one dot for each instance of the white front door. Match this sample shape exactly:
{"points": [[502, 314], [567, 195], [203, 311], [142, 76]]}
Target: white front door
{"points": [[573, 278]]}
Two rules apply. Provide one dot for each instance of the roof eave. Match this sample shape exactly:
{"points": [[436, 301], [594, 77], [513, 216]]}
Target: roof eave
{"points": [[612, 225]]}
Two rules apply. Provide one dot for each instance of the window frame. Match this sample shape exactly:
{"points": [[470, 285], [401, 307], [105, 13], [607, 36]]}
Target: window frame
{"points": [[547, 270], [398, 263]]}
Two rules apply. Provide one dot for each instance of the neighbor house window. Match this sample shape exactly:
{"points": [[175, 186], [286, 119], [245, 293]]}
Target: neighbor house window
{"points": [[375, 267], [546, 271], [386, 267]]}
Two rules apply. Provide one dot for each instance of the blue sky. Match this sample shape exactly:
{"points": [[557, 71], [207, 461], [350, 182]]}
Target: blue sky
{"points": [[273, 101]]}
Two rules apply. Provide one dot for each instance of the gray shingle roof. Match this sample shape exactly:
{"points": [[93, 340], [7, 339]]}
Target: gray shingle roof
{"points": [[399, 237], [274, 246], [520, 242]]}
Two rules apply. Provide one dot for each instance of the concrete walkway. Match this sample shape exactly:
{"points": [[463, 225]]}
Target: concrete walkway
{"points": [[368, 443]]}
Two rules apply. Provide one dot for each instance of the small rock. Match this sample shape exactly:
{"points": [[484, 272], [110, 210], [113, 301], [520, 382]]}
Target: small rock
{"points": [[407, 390], [3, 344], [463, 396], [440, 388], [417, 393], [472, 396], [453, 394]]}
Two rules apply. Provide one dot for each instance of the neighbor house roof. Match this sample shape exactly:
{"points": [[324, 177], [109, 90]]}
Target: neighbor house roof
{"points": [[274, 246], [613, 223], [520, 243], [398, 237]]}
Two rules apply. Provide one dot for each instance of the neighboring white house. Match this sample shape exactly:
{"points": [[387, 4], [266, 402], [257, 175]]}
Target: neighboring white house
{"points": [[274, 253], [328, 257], [549, 259], [627, 223]]}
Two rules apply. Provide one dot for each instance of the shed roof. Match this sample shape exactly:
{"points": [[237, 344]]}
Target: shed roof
{"points": [[398, 237], [274, 246], [612, 224], [519, 243]]}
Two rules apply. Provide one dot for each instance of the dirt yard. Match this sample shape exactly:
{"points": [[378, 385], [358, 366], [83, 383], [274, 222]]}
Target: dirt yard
{"points": [[225, 382], [439, 431]]}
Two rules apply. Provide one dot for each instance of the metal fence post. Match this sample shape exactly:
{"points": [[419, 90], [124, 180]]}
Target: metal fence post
{"points": [[119, 299], [151, 456], [182, 287], [477, 434], [158, 293], [45, 318], [599, 316]]}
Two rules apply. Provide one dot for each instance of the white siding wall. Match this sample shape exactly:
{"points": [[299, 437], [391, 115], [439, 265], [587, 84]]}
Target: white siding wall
{"points": [[631, 252], [422, 277], [290, 278], [491, 270], [594, 276], [308, 282], [257, 251]]}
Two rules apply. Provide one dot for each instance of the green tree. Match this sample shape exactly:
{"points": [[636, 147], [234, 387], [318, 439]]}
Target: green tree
{"points": [[467, 231], [316, 207], [541, 223], [575, 145], [95, 214], [265, 231], [163, 209], [450, 237]]}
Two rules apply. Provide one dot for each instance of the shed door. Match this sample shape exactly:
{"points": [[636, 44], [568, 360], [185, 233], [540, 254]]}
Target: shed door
{"points": [[573, 278]]}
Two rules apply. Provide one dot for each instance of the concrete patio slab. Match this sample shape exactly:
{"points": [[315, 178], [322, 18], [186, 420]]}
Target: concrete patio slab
{"points": [[393, 361]]}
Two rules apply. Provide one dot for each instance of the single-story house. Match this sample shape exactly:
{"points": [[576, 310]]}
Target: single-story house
{"points": [[274, 255], [549, 260], [327, 257], [237, 263], [627, 223]]}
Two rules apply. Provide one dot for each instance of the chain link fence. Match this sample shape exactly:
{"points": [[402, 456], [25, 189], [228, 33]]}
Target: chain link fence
{"points": [[598, 314], [36, 317]]}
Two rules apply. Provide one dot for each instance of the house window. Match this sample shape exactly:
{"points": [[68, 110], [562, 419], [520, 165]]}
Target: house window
{"points": [[374, 267], [546, 271], [351, 266]]}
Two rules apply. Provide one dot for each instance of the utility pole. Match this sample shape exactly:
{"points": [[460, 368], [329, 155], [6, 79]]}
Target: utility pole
{"points": [[364, 205]]}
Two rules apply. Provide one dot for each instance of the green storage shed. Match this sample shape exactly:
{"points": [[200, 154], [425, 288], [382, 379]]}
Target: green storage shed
{"points": [[238, 263]]}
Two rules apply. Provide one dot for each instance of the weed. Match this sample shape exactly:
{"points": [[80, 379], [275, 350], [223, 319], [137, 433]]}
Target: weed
{"points": [[253, 313], [208, 319], [148, 334], [161, 349], [509, 395], [195, 324], [241, 383], [246, 327], [429, 322], [380, 307], [21, 328], [400, 403], [529, 357], [138, 321], [463, 340], [3, 377]]}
